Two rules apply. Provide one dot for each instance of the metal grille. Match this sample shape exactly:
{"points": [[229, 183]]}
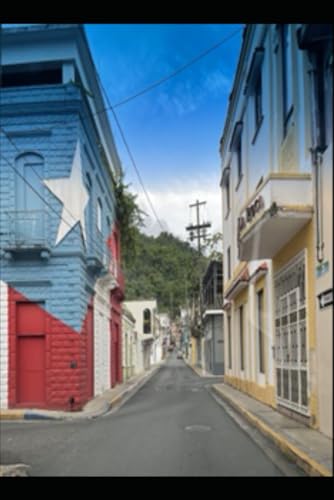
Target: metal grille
{"points": [[291, 337]]}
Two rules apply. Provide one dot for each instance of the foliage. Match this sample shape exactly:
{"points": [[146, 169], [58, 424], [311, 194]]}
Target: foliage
{"points": [[164, 268], [130, 218], [214, 246]]}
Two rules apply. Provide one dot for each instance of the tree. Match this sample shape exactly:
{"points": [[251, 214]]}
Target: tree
{"points": [[130, 218]]}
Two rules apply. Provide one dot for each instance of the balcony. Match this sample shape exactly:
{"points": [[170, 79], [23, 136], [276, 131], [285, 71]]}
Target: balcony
{"points": [[277, 211], [27, 232], [215, 303], [99, 257]]}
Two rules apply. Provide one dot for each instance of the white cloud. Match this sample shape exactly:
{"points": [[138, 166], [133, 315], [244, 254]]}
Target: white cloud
{"points": [[171, 203]]}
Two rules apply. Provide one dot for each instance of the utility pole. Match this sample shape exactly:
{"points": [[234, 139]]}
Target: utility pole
{"points": [[198, 231]]}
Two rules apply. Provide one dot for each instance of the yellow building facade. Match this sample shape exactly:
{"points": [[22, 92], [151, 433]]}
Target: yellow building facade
{"points": [[277, 240]]}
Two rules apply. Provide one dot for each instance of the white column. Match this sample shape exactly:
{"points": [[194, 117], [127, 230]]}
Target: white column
{"points": [[270, 323], [252, 333]]}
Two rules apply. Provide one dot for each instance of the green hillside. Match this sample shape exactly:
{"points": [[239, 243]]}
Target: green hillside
{"points": [[164, 268]]}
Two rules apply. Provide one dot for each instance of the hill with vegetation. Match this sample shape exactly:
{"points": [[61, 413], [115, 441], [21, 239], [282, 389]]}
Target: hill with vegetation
{"points": [[163, 267]]}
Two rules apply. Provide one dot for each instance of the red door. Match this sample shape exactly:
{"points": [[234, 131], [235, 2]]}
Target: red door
{"points": [[90, 351], [30, 330]]}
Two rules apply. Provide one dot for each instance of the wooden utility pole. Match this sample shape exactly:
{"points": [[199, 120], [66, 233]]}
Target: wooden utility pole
{"points": [[198, 231]]}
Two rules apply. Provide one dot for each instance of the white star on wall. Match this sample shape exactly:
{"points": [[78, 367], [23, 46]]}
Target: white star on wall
{"points": [[73, 194]]}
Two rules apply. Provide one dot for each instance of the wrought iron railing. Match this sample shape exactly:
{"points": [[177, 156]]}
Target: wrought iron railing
{"points": [[27, 229], [213, 303]]}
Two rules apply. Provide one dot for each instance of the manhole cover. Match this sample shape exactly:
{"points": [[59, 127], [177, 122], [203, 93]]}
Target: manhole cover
{"points": [[198, 428]]}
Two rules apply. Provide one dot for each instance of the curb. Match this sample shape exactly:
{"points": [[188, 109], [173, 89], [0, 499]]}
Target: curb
{"points": [[200, 373], [14, 470], [131, 391], [12, 415], [91, 413], [310, 466]]}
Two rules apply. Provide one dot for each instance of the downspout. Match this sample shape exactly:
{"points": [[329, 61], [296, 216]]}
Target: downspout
{"points": [[317, 164], [316, 154]]}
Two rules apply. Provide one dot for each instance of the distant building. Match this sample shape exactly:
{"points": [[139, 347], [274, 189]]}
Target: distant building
{"points": [[212, 318], [129, 344], [144, 312]]}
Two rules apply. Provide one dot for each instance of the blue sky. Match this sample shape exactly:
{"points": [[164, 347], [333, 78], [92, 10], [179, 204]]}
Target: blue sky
{"points": [[173, 130]]}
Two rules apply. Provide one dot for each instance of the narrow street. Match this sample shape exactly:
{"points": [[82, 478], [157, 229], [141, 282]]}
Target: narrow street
{"points": [[171, 427]]}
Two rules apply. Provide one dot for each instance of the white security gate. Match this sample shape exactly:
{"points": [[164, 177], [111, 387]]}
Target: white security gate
{"points": [[291, 354]]}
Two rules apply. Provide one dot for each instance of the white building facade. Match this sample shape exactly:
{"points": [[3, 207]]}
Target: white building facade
{"points": [[270, 224], [143, 311], [129, 344]]}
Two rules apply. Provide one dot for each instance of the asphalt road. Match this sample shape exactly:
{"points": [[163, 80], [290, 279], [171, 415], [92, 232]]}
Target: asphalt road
{"points": [[171, 427]]}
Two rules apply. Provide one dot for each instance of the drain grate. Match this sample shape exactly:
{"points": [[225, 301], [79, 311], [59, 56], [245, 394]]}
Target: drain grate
{"points": [[198, 428]]}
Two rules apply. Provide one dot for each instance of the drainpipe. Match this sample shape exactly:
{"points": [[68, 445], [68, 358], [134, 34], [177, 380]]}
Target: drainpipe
{"points": [[316, 153], [317, 163]]}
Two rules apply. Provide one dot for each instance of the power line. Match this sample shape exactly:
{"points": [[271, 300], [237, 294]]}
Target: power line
{"points": [[120, 103], [155, 84], [177, 71], [129, 152], [92, 242]]}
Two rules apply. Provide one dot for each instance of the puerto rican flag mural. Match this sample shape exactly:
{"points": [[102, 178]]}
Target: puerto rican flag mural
{"points": [[60, 299]]}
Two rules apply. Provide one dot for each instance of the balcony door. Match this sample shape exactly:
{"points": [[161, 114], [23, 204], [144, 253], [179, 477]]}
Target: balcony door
{"points": [[28, 217]]}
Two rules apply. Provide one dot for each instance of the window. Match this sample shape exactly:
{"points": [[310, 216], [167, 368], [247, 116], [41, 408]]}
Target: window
{"points": [[260, 330], [99, 214], [258, 101], [239, 159], [229, 263], [225, 183], [23, 75], [236, 147], [228, 201], [108, 226], [317, 40], [147, 327], [229, 342], [286, 74], [254, 87], [241, 331]]}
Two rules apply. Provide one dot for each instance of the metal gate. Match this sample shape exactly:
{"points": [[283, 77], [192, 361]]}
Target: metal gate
{"points": [[291, 354]]}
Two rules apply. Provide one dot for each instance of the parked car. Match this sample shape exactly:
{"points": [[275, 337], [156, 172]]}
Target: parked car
{"points": [[179, 355]]}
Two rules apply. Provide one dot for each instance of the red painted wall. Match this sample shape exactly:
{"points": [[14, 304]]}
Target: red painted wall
{"points": [[62, 346], [116, 339], [116, 298]]}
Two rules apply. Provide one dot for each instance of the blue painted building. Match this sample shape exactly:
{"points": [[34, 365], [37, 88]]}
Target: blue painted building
{"points": [[59, 236]]}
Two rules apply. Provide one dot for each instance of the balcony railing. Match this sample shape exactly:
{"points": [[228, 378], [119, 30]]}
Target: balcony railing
{"points": [[276, 212], [215, 303], [99, 256], [26, 230]]}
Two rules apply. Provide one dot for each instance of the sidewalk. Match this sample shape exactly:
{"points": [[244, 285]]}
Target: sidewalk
{"points": [[201, 372], [310, 449], [94, 408]]}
